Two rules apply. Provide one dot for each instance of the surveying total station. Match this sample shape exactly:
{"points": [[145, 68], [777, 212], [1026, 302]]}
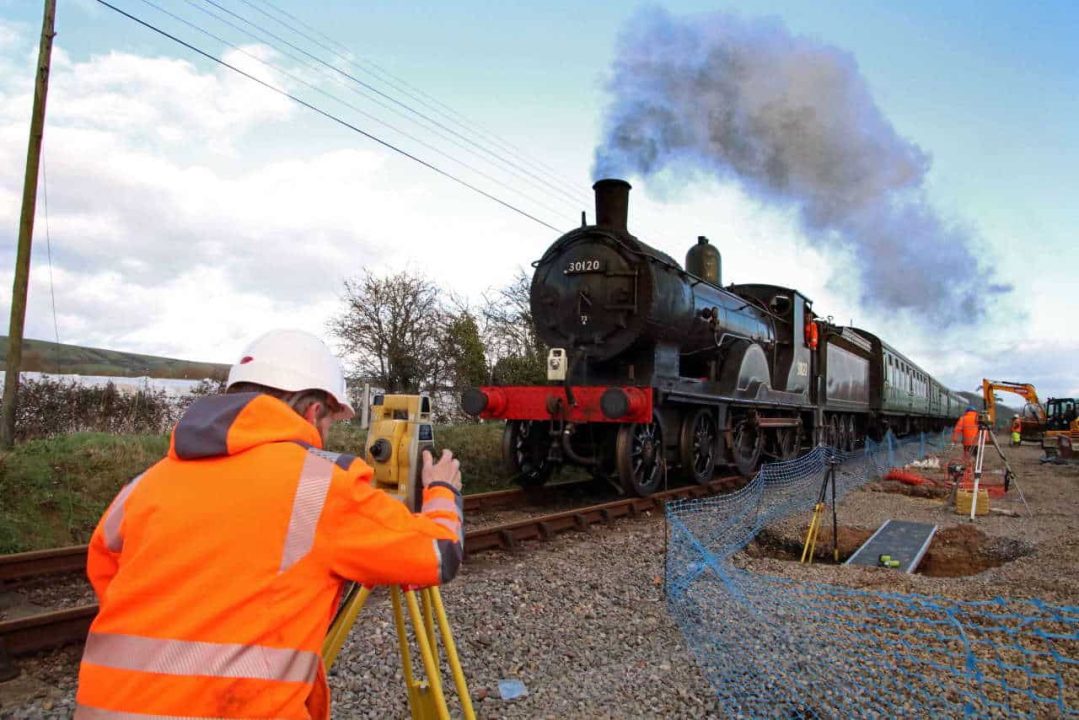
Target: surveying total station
{"points": [[400, 431]]}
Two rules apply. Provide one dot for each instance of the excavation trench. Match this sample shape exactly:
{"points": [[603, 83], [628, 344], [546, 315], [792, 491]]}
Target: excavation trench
{"points": [[955, 551]]}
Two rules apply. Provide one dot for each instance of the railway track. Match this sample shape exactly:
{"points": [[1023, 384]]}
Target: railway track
{"points": [[21, 566], [50, 629]]}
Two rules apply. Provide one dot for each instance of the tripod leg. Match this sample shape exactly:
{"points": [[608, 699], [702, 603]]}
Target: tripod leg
{"points": [[435, 597], [978, 458], [434, 678], [429, 622], [413, 688], [811, 534], [1014, 477], [342, 624], [835, 519]]}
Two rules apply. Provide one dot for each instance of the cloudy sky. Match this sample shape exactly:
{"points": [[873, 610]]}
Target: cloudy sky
{"points": [[190, 208]]}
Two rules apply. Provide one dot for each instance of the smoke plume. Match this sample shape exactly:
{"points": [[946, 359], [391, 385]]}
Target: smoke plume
{"points": [[792, 121]]}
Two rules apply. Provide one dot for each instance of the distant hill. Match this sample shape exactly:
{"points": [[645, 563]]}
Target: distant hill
{"points": [[42, 356]]}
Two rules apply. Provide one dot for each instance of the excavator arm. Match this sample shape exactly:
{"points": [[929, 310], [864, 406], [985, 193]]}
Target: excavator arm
{"points": [[1025, 390]]}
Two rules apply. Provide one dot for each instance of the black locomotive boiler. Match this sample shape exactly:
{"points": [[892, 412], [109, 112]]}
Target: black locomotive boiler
{"points": [[654, 367]]}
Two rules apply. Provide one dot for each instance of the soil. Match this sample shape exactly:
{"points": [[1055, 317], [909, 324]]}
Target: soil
{"points": [[1031, 554], [966, 550], [954, 552]]}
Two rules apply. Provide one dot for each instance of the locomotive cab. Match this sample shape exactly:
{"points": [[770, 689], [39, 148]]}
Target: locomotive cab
{"points": [[791, 311]]}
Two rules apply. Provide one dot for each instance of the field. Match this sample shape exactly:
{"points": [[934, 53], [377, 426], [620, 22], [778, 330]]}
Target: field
{"points": [[42, 356], [55, 489]]}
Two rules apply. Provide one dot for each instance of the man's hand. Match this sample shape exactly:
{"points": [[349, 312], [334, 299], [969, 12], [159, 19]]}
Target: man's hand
{"points": [[447, 470]]}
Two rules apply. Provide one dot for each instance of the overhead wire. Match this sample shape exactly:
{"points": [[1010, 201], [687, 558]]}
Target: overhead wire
{"points": [[330, 116], [405, 106], [404, 87], [331, 96], [48, 250], [583, 200], [359, 91]]}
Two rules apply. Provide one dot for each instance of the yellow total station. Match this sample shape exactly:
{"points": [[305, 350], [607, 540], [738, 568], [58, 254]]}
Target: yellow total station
{"points": [[400, 431]]}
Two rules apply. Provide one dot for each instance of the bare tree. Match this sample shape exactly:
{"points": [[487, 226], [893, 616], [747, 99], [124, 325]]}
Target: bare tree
{"points": [[402, 335], [392, 330], [515, 352]]}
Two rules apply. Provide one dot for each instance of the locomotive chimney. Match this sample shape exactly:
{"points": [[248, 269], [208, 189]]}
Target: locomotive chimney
{"points": [[612, 203]]}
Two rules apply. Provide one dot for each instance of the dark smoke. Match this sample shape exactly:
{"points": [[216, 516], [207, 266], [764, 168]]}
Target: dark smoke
{"points": [[792, 121]]}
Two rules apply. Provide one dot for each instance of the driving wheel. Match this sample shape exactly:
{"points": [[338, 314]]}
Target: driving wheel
{"points": [[697, 446], [524, 451], [639, 457]]}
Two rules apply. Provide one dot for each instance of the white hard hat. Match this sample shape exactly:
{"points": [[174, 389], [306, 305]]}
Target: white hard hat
{"points": [[293, 360]]}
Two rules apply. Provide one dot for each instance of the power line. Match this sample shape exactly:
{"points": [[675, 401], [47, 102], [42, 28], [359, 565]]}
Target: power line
{"points": [[359, 90], [416, 93], [330, 116], [48, 249], [578, 199], [337, 99], [395, 101]]}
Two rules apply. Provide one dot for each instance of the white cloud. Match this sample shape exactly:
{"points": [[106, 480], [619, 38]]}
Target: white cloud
{"points": [[190, 209], [187, 213]]}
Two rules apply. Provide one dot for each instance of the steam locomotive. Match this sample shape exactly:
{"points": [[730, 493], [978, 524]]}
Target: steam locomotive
{"points": [[654, 367]]}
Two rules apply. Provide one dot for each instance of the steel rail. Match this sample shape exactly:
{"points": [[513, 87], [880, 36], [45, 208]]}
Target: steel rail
{"points": [[51, 629], [20, 566]]}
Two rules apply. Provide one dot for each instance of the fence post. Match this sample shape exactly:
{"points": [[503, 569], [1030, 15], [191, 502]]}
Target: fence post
{"points": [[921, 445], [891, 449], [365, 406]]}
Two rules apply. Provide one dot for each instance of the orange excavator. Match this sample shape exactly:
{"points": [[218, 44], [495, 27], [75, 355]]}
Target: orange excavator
{"points": [[1032, 416]]}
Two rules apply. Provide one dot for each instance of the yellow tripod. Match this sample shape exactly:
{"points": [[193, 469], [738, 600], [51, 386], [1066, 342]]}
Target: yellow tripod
{"points": [[425, 697], [818, 518]]}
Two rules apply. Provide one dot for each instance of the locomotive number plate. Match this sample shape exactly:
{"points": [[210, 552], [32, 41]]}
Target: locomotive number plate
{"points": [[583, 266]]}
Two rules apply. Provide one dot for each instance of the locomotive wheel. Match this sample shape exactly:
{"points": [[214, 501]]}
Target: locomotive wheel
{"points": [[524, 451], [747, 442], [639, 457], [787, 442], [697, 447]]}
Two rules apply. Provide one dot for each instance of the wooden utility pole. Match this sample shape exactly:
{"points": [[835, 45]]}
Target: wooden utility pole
{"points": [[26, 230]]}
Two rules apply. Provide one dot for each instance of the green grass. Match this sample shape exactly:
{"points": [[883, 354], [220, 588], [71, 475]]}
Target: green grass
{"points": [[53, 491], [478, 447]]}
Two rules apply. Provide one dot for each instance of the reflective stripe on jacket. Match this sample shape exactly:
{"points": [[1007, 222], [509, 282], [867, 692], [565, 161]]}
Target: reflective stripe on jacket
{"points": [[966, 429], [219, 568]]}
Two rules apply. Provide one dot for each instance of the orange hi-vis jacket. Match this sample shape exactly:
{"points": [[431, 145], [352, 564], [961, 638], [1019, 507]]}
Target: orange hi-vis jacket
{"points": [[966, 428], [1017, 424], [218, 570]]}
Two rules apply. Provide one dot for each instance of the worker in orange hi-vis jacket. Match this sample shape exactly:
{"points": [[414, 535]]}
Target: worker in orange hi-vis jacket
{"points": [[966, 430], [811, 334], [218, 570]]}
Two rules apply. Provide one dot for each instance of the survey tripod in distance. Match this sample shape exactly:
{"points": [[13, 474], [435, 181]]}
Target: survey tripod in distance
{"points": [[985, 434], [400, 431]]}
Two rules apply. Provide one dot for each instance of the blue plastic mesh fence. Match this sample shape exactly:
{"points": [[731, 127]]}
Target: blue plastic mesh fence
{"points": [[779, 648]]}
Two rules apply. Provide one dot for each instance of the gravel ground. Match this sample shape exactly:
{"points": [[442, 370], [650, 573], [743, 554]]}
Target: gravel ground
{"points": [[580, 620], [50, 593], [57, 592], [1046, 543]]}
